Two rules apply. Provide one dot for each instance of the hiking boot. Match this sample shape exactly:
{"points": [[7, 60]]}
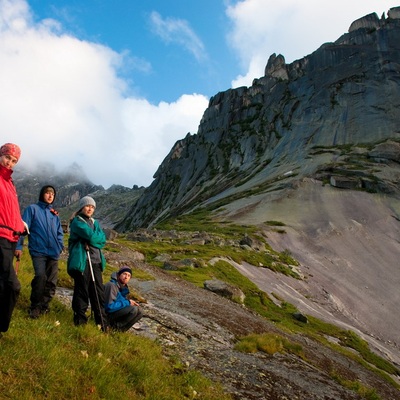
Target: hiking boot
{"points": [[34, 313], [138, 326]]}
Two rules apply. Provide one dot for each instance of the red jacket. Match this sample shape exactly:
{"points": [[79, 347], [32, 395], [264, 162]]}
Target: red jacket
{"points": [[10, 214]]}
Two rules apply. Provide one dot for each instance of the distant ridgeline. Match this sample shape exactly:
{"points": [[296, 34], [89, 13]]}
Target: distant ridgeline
{"points": [[330, 115], [71, 185]]}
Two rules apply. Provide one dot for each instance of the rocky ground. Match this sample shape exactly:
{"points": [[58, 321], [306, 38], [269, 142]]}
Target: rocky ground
{"points": [[348, 245], [201, 328]]}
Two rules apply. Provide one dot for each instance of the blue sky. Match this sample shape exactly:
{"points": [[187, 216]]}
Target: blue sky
{"points": [[112, 85], [171, 47]]}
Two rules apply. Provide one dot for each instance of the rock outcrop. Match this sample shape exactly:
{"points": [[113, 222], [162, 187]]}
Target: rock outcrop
{"points": [[315, 117]]}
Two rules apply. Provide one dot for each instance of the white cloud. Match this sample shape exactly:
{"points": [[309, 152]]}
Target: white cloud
{"points": [[62, 101], [174, 30], [154, 129], [289, 27]]}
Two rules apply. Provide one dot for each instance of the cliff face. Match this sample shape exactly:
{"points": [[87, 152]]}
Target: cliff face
{"points": [[315, 117]]}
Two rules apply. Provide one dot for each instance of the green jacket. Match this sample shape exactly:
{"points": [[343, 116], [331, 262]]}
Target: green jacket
{"points": [[81, 234]]}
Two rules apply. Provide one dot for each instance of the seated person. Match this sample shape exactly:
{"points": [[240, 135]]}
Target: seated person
{"points": [[122, 312]]}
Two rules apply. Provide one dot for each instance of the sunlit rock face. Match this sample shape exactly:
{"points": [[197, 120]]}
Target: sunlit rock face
{"points": [[343, 95]]}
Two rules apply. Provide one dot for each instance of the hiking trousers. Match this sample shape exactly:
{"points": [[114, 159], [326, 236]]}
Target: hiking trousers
{"points": [[85, 291], [123, 319], [44, 283], [10, 286]]}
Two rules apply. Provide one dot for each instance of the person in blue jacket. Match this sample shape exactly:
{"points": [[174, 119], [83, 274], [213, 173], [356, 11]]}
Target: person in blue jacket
{"points": [[122, 312], [86, 264], [45, 244]]}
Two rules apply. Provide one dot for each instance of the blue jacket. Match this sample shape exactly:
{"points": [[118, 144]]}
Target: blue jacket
{"points": [[115, 295], [45, 231], [82, 234]]}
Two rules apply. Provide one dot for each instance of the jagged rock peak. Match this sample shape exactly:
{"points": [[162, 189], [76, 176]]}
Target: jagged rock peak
{"points": [[394, 13], [371, 21], [276, 67]]}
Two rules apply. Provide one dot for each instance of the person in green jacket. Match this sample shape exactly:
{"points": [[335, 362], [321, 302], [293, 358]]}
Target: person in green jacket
{"points": [[86, 264]]}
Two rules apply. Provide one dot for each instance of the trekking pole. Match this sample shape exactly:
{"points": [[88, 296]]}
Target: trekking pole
{"points": [[95, 289]]}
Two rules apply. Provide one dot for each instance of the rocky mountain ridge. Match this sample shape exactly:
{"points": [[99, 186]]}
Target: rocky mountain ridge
{"points": [[297, 120]]}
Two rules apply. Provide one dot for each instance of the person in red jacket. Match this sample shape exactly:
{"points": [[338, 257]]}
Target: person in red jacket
{"points": [[11, 228]]}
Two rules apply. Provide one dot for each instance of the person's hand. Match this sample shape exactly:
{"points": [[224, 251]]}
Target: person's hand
{"points": [[133, 303], [18, 254], [26, 228]]}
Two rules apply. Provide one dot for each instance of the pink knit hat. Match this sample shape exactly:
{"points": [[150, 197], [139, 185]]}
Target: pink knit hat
{"points": [[11, 150]]}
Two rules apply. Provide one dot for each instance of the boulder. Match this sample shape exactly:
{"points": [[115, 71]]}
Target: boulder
{"points": [[225, 290]]}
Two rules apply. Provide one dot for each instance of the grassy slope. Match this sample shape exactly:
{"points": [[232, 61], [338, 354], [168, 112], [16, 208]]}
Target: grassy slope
{"points": [[51, 358], [46, 358]]}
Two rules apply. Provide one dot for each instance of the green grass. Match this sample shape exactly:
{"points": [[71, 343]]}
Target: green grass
{"points": [[201, 221], [350, 339], [51, 358], [365, 392], [269, 343], [275, 223]]}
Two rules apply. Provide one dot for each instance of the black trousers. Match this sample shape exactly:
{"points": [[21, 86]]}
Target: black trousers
{"points": [[86, 290], [123, 319], [10, 286]]}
